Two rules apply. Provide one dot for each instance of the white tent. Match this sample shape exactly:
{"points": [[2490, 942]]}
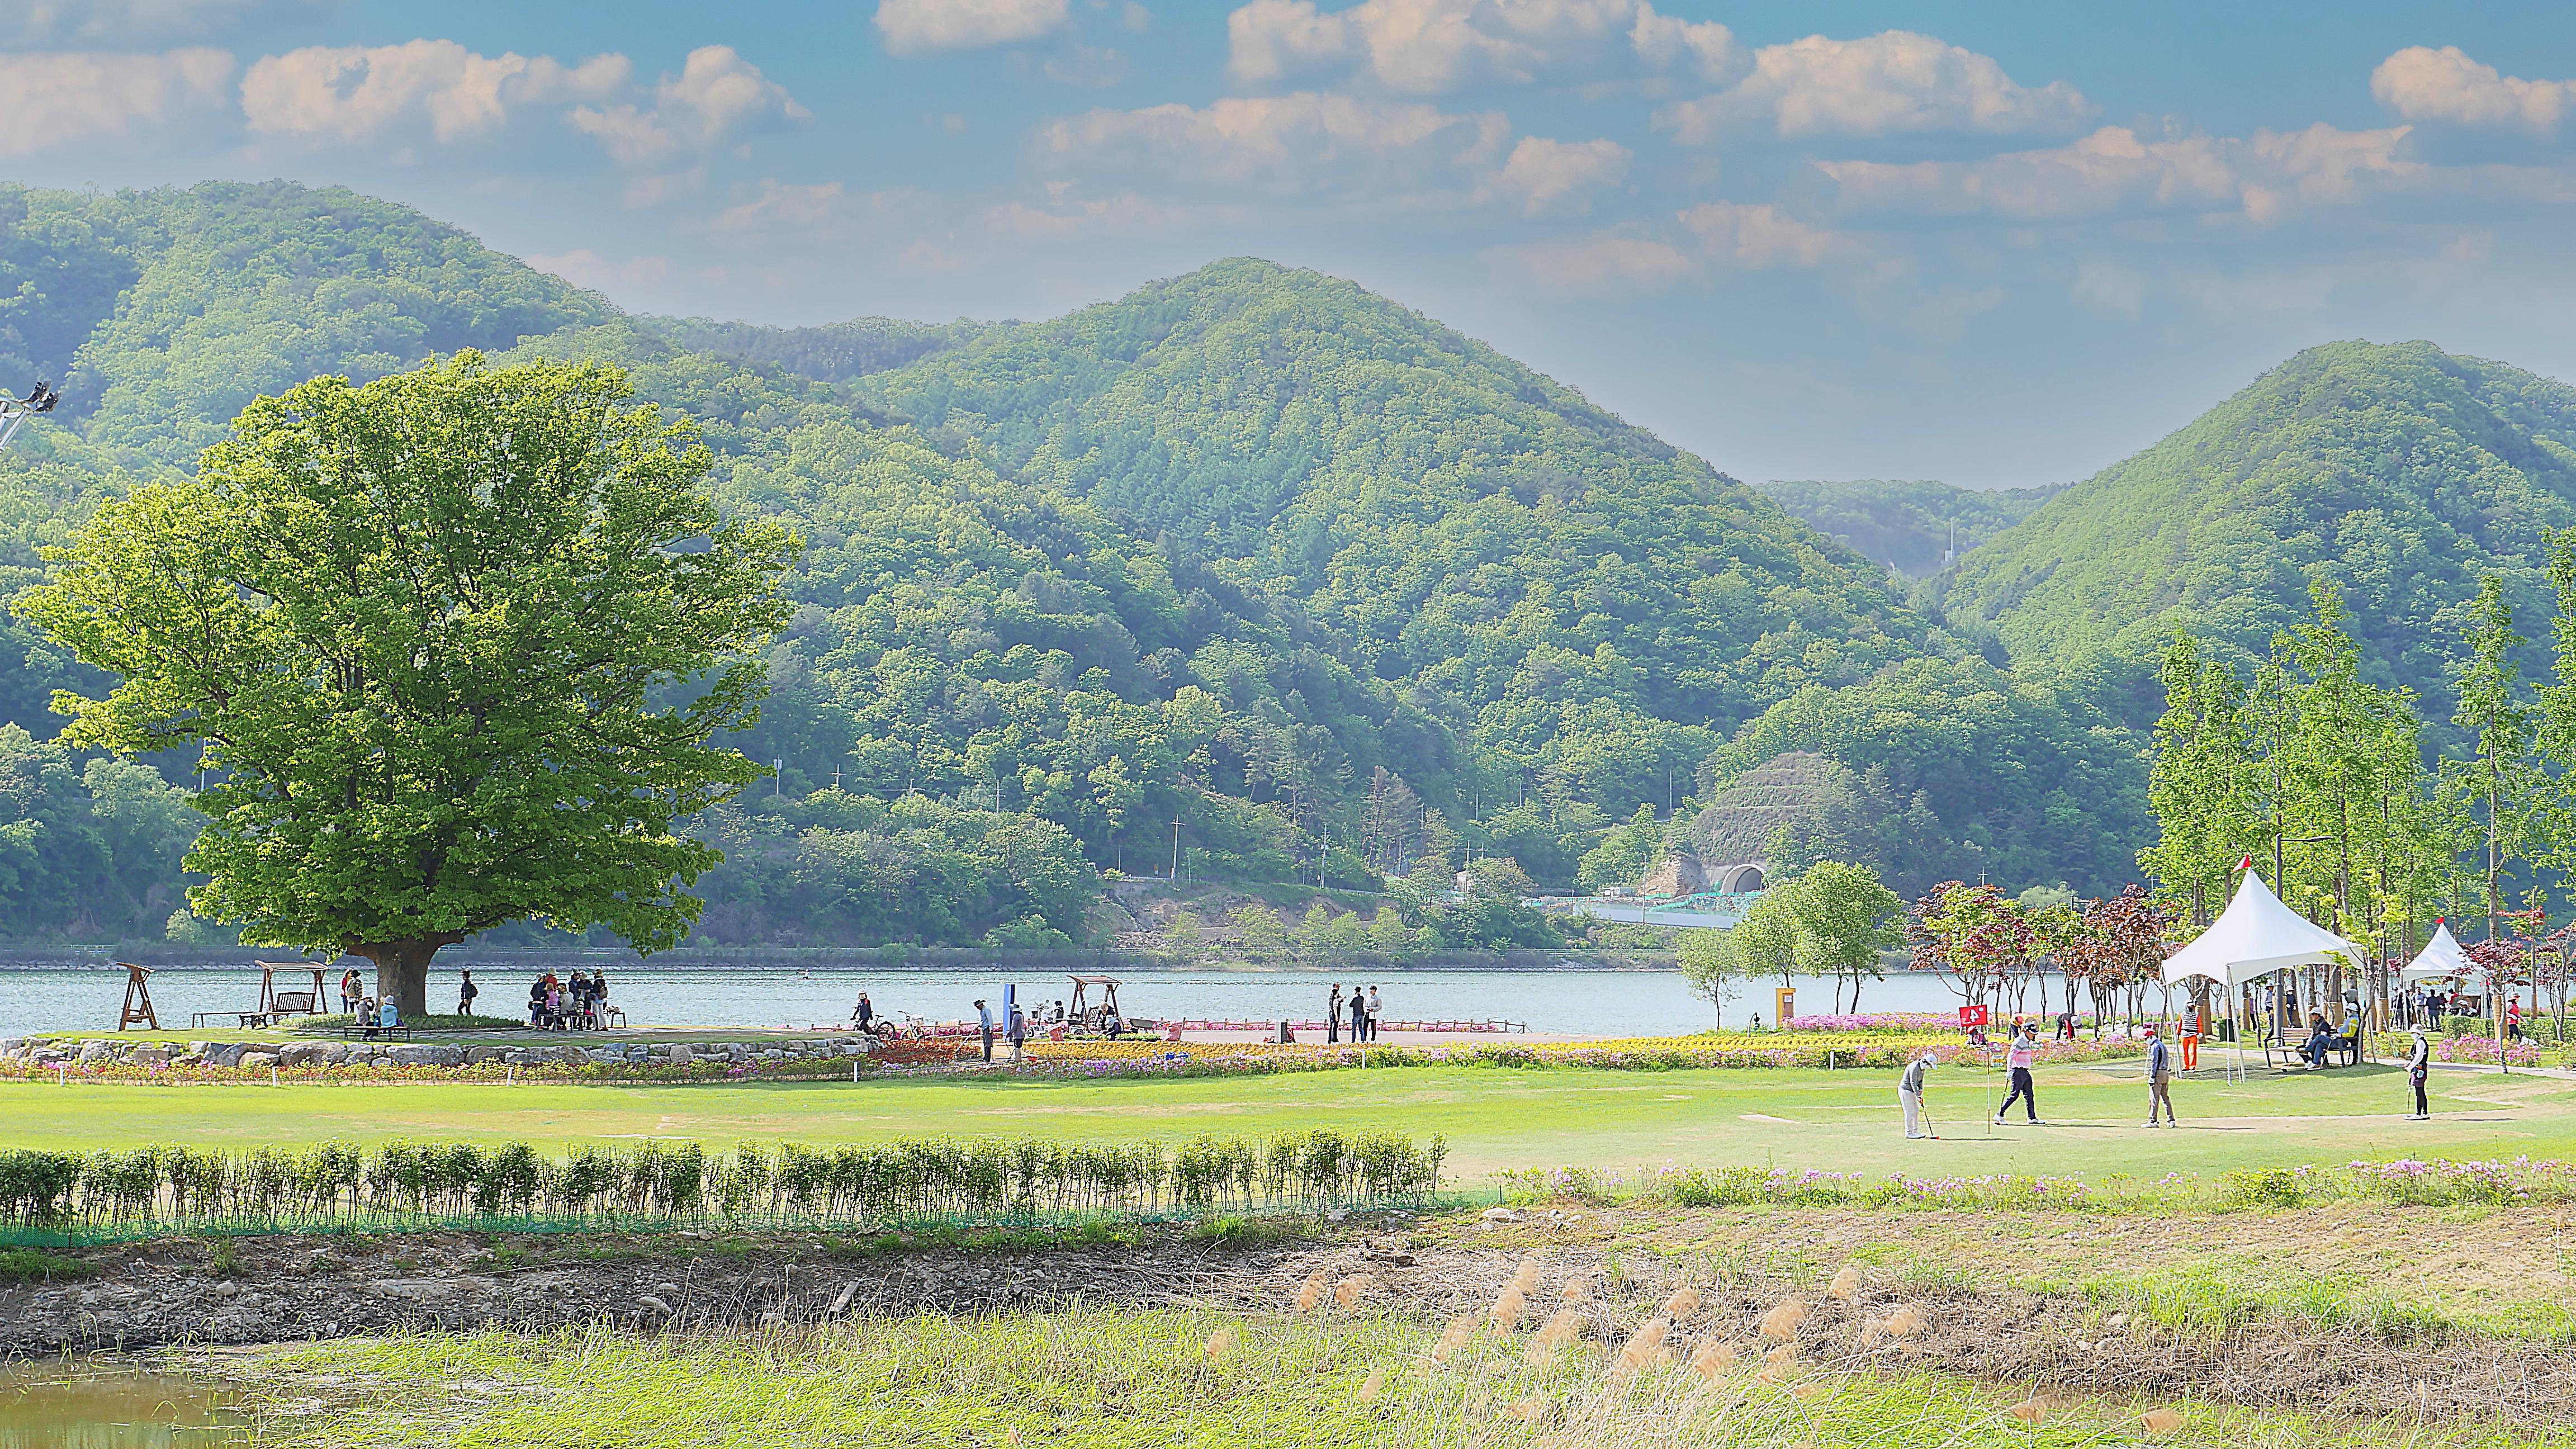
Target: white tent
{"points": [[2440, 959], [2255, 936]]}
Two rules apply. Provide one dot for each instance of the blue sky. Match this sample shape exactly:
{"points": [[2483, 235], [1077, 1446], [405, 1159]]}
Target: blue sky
{"points": [[1998, 244]]}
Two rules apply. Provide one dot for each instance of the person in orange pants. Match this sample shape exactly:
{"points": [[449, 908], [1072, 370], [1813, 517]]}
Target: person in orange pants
{"points": [[2190, 1050]]}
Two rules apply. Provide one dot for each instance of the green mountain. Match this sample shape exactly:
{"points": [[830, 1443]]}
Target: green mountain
{"points": [[1915, 527], [2400, 472], [1529, 564], [1252, 552]]}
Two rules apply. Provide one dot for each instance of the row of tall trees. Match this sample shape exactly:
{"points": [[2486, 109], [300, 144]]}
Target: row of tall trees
{"points": [[2321, 776]]}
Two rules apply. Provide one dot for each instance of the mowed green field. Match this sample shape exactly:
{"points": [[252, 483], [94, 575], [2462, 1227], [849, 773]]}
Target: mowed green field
{"points": [[1493, 1118]]}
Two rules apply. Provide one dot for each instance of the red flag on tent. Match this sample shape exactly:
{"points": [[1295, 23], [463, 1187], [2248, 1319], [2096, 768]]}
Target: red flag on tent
{"points": [[2246, 864]]}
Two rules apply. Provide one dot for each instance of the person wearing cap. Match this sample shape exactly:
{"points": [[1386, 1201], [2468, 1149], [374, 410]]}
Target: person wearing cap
{"points": [[2159, 1078], [1909, 1093], [2020, 1055], [984, 1019]]}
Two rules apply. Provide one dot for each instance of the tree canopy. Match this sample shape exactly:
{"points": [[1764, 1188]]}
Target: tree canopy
{"points": [[457, 643]]}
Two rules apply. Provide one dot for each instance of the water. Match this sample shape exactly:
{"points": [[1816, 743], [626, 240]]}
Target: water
{"points": [[101, 1405], [1568, 1001]]}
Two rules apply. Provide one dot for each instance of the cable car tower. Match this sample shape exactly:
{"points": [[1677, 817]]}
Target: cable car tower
{"points": [[14, 411]]}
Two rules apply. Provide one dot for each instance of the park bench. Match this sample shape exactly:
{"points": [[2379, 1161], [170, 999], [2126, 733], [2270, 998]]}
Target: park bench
{"points": [[398, 1032]]}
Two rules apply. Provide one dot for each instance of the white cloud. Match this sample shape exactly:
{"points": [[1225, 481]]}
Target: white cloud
{"points": [[150, 23], [717, 98], [2113, 170], [343, 94], [60, 97], [1714, 237], [1759, 238], [1429, 47], [783, 210], [2423, 84], [917, 27], [584, 267], [1880, 85], [1547, 176], [1601, 263], [1293, 143]]}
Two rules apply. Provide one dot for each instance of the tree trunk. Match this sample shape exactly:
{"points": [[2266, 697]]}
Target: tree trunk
{"points": [[402, 970]]}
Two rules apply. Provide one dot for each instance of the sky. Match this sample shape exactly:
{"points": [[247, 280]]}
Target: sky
{"points": [[1996, 244]]}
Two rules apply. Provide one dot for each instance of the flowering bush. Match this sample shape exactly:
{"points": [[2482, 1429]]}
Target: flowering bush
{"points": [[1878, 1021]]}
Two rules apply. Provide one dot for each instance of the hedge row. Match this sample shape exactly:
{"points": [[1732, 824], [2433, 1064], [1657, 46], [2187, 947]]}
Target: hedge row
{"points": [[910, 1180]]}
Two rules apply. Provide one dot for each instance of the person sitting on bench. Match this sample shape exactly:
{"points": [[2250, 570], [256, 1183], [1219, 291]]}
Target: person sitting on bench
{"points": [[2320, 1039]]}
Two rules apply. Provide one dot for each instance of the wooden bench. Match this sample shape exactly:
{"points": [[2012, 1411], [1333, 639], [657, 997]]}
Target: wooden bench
{"points": [[353, 1030]]}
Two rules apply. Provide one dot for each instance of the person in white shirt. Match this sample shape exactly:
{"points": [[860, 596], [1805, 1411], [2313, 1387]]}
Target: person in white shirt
{"points": [[2419, 1067], [2019, 1056]]}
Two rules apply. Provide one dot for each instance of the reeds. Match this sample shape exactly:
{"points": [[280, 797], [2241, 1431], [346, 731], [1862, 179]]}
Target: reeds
{"points": [[409, 1183]]}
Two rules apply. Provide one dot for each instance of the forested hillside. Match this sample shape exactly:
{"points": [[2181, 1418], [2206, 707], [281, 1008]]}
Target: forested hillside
{"points": [[1252, 552], [2400, 472], [1913, 526]]}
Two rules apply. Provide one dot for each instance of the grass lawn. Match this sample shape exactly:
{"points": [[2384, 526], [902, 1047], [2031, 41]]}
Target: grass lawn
{"points": [[1494, 1118]]}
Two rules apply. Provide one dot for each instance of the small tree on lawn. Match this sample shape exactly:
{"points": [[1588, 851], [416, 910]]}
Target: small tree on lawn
{"points": [[1975, 935], [1714, 967], [456, 646], [1846, 918]]}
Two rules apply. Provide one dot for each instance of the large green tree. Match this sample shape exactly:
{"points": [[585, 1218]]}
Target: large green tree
{"points": [[458, 645]]}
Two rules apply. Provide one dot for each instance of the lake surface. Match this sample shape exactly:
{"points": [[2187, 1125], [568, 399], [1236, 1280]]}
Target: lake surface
{"points": [[102, 1405], [1570, 1000]]}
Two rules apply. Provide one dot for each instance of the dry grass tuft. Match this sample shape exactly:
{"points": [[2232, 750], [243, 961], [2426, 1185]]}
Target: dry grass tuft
{"points": [[1713, 1359], [1785, 1316], [1220, 1344], [1846, 1285], [1905, 1322], [2160, 1421], [1525, 1277], [1563, 1328], [1311, 1292], [1645, 1346], [1779, 1363], [1372, 1387], [1509, 1306], [2029, 1411], [1349, 1292], [1806, 1390], [1577, 1291], [1684, 1302], [1453, 1338], [1532, 1410]]}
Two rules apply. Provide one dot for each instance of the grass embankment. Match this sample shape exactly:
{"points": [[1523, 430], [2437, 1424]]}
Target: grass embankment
{"points": [[1494, 1118], [1081, 1379]]}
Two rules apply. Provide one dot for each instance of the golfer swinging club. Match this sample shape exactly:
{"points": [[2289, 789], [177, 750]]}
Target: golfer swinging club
{"points": [[1909, 1094]]}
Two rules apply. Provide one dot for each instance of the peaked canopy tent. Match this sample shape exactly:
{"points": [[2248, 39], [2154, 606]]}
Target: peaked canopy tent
{"points": [[2440, 960], [2255, 936]]}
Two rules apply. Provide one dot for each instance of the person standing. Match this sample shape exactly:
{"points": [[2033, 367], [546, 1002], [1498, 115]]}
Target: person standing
{"points": [[2019, 1056], [1359, 1015], [984, 1027], [864, 1015], [466, 991], [1333, 1017], [2419, 1067], [1909, 1095], [2159, 1078], [1019, 1030], [350, 991], [1376, 1011]]}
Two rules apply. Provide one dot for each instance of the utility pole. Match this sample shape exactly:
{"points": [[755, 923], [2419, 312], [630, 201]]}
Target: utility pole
{"points": [[777, 778], [1175, 876]]}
